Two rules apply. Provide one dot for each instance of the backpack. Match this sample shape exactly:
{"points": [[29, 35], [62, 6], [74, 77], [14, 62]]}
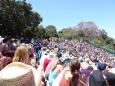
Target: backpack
{"points": [[96, 79]]}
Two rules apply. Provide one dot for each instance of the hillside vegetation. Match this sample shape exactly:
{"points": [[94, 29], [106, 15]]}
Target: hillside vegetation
{"points": [[17, 20], [90, 32]]}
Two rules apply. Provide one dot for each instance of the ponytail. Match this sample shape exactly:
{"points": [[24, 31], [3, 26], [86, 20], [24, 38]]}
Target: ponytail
{"points": [[74, 68], [75, 78]]}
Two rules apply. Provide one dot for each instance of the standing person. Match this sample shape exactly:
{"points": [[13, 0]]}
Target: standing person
{"points": [[97, 78], [56, 70], [47, 61], [22, 55], [52, 63], [70, 76], [38, 54]]}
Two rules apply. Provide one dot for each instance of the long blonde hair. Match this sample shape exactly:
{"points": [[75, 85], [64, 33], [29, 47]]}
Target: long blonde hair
{"points": [[21, 55]]}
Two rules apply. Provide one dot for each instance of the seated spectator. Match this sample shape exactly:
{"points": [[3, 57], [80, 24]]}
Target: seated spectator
{"points": [[20, 74]]}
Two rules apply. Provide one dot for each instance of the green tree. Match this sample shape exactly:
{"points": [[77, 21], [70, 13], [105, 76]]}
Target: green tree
{"points": [[16, 17], [51, 31], [27, 33], [68, 33], [40, 32]]}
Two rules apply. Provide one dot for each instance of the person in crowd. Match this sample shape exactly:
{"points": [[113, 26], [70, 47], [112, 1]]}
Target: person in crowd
{"points": [[85, 64], [45, 53], [70, 76], [85, 73], [38, 54], [53, 62], [56, 70], [47, 61], [4, 61], [21, 54], [97, 78], [5, 50]]}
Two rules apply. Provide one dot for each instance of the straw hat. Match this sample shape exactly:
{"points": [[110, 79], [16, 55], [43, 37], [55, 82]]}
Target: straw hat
{"points": [[18, 74]]}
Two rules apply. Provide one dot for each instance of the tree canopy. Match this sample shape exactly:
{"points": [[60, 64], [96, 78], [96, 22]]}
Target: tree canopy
{"points": [[16, 17], [51, 31]]}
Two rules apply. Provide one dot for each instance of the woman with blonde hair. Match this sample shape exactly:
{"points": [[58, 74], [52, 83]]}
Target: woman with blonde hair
{"points": [[22, 55]]}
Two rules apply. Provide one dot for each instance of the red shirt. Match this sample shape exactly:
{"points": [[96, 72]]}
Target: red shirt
{"points": [[46, 62]]}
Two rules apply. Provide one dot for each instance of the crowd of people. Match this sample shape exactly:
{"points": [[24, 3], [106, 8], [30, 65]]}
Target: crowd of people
{"points": [[55, 63]]}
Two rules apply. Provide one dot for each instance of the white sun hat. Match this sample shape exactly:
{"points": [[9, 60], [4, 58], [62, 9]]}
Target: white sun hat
{"points": [[19, 74]]}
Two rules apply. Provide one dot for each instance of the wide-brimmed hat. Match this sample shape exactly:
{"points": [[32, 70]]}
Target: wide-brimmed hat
{"points": [[18, 74]]}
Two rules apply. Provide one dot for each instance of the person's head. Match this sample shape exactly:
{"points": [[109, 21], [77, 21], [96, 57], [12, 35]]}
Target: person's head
{"points": [[90, 68], [59, 54], [62, 60], [74, 68], [101, 66], [21, 54], [5, 49]]}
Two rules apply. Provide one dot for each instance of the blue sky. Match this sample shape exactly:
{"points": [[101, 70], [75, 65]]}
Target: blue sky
{"points": [[68, 13]]}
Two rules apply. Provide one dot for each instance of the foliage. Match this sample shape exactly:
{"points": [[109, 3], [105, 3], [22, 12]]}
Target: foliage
{"points": [[27, 33], [53, 39], [40, 32], [16, 17], [99, 37], [67, 33], [51, 31]]}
